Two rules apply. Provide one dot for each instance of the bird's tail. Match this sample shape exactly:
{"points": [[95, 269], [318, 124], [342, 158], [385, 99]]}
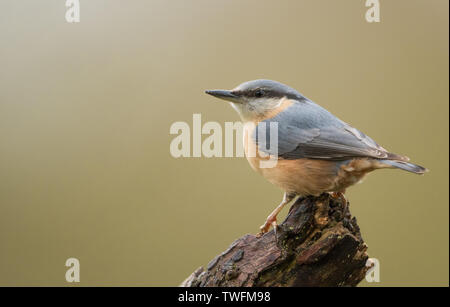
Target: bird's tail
{"points": [[406, 166]]}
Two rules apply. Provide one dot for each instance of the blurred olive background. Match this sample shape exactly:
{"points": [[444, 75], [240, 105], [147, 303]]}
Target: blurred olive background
{"points": [[85, 111]]}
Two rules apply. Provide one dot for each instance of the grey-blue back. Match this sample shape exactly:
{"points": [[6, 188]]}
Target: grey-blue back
{"points": [[306, 130]]}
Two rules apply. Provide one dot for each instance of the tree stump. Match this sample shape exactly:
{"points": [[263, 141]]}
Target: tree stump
{"points": [[318, 244]]}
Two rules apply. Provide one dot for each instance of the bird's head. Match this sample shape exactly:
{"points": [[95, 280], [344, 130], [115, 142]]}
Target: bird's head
{"points": [[255, 98]]}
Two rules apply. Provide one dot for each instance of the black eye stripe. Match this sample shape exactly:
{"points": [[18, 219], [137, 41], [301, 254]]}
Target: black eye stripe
{"points": [[268, 93], [259, 93]]}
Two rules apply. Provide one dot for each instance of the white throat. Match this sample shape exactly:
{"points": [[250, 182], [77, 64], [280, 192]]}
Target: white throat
{"points": [[256, 108]]}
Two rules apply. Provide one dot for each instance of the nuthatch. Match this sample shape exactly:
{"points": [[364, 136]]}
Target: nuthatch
{"points": [[316, 151]]}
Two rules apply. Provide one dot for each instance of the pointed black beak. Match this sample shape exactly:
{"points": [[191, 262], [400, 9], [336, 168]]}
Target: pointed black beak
{"points": [[223, 94]]}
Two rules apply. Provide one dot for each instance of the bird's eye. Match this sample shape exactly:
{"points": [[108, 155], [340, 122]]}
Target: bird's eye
{"points": [[259, 93]]}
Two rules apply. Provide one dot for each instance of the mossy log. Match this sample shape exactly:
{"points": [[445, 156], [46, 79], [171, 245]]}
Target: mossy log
{"points": [[318, 244]]}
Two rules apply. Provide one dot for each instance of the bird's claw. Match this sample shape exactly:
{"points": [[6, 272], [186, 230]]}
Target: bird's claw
{"points": [[275, 226], [265, 228], [341, 197]]}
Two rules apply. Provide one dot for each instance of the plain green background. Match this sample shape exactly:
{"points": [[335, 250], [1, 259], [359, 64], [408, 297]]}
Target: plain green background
{"points": [[85, 111]]}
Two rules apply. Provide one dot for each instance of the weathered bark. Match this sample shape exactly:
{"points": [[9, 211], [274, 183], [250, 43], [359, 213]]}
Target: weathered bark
{"points": [[318, 244]]}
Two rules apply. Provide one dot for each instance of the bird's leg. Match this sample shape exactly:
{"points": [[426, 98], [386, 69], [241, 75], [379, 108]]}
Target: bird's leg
{"points": [[272, 218]]}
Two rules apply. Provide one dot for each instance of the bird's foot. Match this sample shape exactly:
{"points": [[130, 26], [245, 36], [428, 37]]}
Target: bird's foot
{"points": [[271, 221], [341, 197], [272, 218]]}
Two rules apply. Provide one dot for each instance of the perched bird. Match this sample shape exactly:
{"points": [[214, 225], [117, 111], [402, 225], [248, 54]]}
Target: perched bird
{"points": [[316, 152]]}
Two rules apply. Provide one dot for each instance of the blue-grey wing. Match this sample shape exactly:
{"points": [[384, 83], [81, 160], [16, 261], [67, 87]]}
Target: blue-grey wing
{"points": [[306, 130]]}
